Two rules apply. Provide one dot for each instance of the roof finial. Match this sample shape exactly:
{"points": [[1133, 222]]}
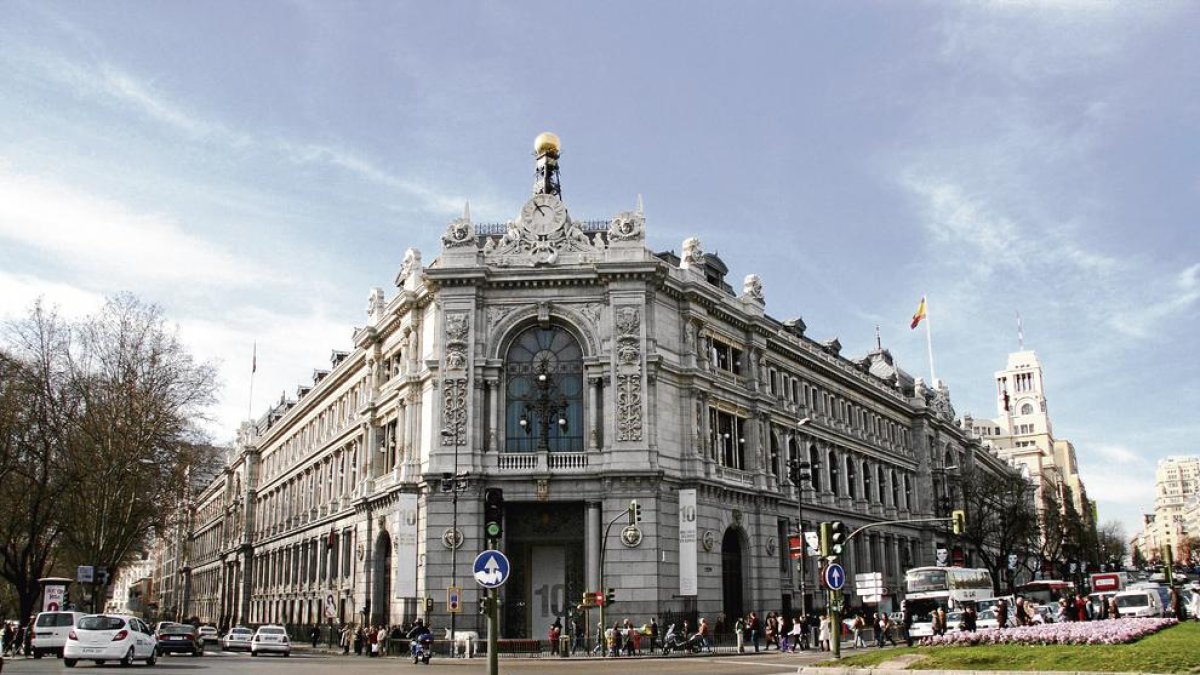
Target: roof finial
{"points": [[467, 211], [546, 148], [878, 340], [640, 210]]}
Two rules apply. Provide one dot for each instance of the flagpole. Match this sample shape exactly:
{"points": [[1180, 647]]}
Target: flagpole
{"points": [[253, 369], [929, 343]]}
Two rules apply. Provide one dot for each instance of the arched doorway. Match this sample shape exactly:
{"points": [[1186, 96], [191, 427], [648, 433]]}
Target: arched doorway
{"points": [[382, 589], [731, 573]]}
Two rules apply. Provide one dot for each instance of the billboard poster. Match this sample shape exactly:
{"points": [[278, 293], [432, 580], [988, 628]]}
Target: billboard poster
{"points": [[687, 542], [407, 534], [53, 597]]}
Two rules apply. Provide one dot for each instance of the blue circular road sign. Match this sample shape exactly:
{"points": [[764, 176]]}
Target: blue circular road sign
{"points": [[491, 569], [835, 576]]}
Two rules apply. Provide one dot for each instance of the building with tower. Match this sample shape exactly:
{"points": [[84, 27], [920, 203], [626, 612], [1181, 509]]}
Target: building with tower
{"points": [[560, 369], [1023, 434]]}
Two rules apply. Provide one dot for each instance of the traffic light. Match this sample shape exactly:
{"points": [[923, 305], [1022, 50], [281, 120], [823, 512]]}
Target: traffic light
{"points": [[837, 537], [824, 529], [485, 605], [959, 520], [428, 604], [493, 514], [635, 512], [610, 596], [589, 599]]}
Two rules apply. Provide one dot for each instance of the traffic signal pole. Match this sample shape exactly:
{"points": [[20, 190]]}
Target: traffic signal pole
{"points": [[634, 511], [493, 632]]}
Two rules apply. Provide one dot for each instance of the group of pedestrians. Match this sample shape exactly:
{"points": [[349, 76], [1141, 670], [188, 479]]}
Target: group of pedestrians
{"points": [[17, 638], [370, 641]]}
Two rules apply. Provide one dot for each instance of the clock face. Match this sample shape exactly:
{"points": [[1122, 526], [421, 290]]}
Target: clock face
{"points": [[543, 214]]}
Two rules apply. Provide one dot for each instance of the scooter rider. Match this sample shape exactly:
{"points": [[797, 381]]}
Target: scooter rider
{"points": [[417, 634]]}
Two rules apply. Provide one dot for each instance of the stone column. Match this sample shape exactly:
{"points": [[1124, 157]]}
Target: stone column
{"points": [[592, 543], [595, 391]]}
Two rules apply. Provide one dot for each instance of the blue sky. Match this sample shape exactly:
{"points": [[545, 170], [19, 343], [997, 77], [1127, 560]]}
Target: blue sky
{"points": [[255, 168]]}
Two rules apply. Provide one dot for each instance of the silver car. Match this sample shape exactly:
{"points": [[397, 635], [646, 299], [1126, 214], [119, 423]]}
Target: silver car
{"points": [[238, 637]]}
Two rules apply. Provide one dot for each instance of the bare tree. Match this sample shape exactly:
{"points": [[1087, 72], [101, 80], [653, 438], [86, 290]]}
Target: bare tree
{"points": [[1001, 520], [1110, 544], [142, 396], [36, 406], [102, 419]]}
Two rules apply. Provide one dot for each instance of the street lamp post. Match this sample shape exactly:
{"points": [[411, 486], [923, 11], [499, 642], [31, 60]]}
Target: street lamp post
{"points": [[455, 435], [799, 472], [547, 407]]}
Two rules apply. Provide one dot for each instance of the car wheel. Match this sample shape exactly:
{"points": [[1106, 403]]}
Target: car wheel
{"points": [[37, 653], [253, 653], [70, 663], [128, 660], [153, 659], [286, 654]]}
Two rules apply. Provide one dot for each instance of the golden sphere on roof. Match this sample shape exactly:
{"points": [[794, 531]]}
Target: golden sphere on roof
{"points": [[546, 143]]}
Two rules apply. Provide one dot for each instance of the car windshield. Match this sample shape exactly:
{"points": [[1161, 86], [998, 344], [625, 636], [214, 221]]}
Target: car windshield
{"points": [[101, 623], [271, 631], [178, 629], [55, 620], [1133, 600]]}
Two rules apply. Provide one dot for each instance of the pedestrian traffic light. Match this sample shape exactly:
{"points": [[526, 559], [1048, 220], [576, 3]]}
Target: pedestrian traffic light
{"points": [[635, 512], [959, 521], [428, 604], [493, 514], [599, 598], [837, 537], [610, 596]]}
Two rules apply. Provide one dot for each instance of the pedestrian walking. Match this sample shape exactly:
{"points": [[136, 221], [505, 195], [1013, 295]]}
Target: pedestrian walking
{"points": [[823, 634], [753, 625], [653, 634], [799, 634], [857, 628], [739, 634]]}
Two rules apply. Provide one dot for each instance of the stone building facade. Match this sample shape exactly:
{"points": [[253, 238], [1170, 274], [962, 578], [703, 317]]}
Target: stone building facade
{"points": [[571, 367]]}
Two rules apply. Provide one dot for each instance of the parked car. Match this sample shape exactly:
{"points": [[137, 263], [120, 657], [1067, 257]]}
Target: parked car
{"points": [[270, 639], [176, 638], [50, 632], [209, 634], [110, 637], [238, 637]]}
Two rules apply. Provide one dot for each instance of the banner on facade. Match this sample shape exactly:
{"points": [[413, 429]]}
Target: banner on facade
{"points": [[548, 589], [943, 557], [687, 542], [407, 534]]}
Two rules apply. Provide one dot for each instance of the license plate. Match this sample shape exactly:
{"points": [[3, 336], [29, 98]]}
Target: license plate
{"points": [[92, 650]]}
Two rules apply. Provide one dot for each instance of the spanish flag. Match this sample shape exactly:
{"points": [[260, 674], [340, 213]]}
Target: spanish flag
{"points": [[920, 314]]}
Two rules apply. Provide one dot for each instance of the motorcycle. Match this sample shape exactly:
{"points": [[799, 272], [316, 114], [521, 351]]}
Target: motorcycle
{"points": [[677, 642], [422, 648]]}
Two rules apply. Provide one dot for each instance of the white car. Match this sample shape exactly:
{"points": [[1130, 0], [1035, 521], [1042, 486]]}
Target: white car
{"points": [[238, 637], [209, 634], [50, 632], [270, 639], [110, 637]]}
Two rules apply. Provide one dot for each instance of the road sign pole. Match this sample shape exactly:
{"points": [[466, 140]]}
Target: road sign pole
{"points": [[493, 633], [835, 624]]}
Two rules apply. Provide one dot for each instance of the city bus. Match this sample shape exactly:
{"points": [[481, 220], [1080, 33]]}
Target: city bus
{"points": [[1045, 591], [951, 588]]}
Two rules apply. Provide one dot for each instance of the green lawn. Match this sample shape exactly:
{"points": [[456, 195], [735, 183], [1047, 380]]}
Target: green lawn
{"points": [[1174, 650]]}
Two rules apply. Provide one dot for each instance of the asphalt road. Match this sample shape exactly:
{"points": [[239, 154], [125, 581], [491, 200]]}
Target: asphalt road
{"points": [[319, 663]]}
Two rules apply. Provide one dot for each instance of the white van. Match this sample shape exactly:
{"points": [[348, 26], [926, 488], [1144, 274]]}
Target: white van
{"points": [[50, 632], [1139, 603]]}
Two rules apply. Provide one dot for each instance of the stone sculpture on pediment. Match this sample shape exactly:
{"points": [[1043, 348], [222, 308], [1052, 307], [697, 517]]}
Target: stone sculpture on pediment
{"points": [[544, 234], [458, 233], [411, 264], [693, 254], [627, 226], [752, 287]]}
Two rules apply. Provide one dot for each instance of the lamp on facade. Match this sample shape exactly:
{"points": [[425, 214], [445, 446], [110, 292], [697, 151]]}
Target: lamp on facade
{"points": [[455, 435], [547, 408]]}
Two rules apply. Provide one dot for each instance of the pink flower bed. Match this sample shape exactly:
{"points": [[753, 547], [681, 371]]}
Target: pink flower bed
{"points": [[1108, 632]]}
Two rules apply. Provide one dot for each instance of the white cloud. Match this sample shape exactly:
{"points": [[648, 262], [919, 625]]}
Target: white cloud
{"points": [[109, 241], [18, 292]]}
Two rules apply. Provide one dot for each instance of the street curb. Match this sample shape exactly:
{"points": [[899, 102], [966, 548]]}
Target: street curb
{"points": [[835, 670]]}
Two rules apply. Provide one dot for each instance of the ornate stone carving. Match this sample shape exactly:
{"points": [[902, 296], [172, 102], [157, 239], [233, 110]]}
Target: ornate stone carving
{"points": [[458, 233], [692, 253], [752, 287], [454, 410], [627, 226], [457, 330], [591, 312], [375, 303], [411, 265], [543, 234], [495, 315], [628, 320], [629, 407]]}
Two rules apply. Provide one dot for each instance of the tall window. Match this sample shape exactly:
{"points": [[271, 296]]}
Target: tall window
{"points": [[832, 459], [815, 459], [544, 386], [727, 438]]}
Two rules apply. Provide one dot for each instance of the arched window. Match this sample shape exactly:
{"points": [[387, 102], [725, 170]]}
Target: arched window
{"points": [[851, 478], [774, 468], [1027, 409], [544, 387], [879, 485], [833, 473], [815, 459], [868, 494]]}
